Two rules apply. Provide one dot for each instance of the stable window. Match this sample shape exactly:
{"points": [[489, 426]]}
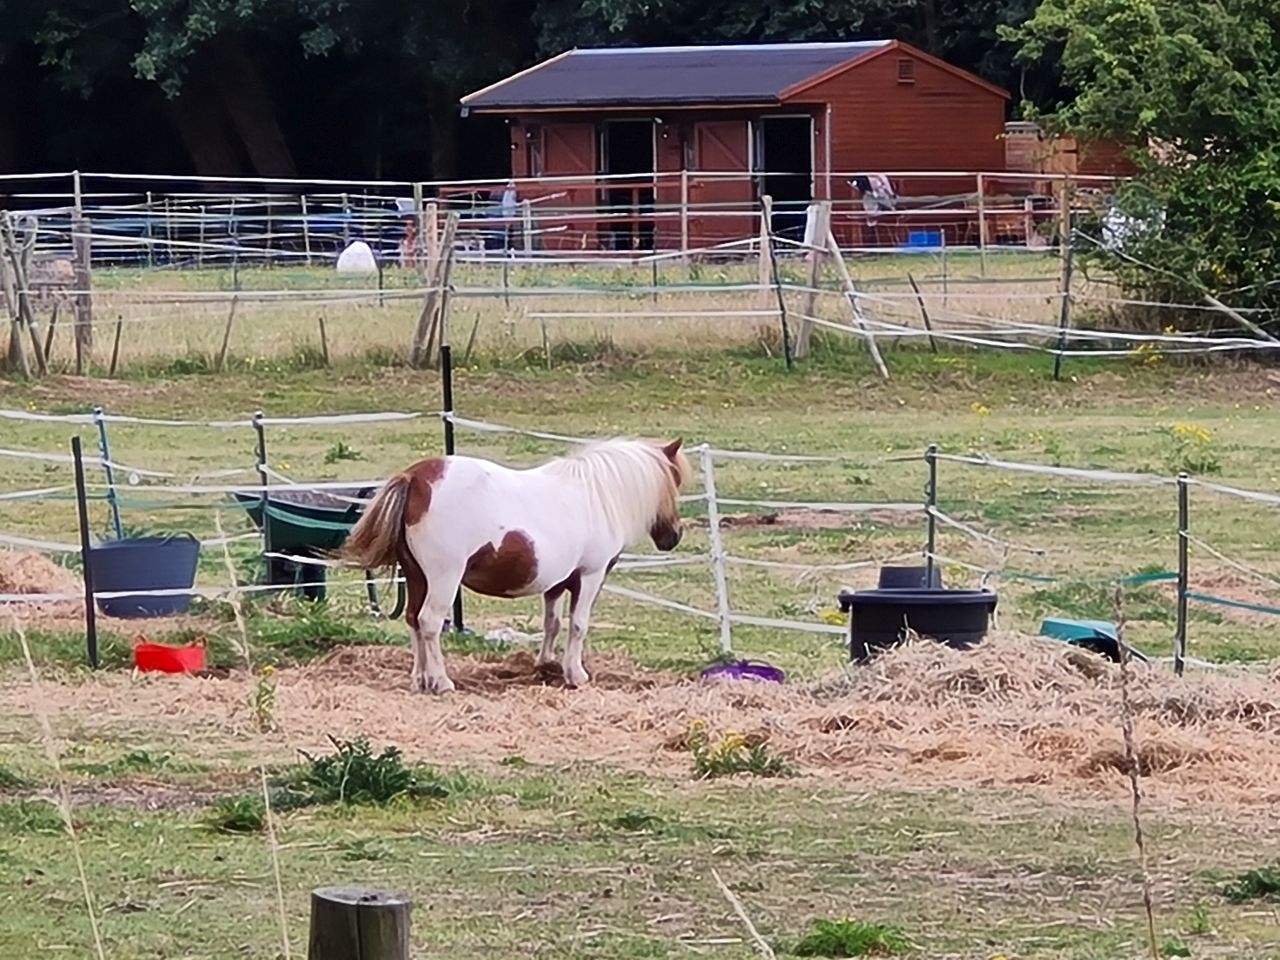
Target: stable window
{"points": [[906, 71]]}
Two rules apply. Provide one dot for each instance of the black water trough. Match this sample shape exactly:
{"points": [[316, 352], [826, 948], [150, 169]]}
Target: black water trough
{"points": [[879, 618], [909, 578]]}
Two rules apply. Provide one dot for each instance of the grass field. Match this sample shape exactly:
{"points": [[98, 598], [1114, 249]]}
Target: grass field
{"points": [[593, 858]]}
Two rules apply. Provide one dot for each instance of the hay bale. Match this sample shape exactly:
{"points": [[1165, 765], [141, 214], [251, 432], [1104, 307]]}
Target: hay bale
{"points": [[31, 573]]}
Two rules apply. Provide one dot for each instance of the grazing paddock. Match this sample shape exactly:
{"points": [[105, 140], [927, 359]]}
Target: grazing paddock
{"points": [[974, 802]]}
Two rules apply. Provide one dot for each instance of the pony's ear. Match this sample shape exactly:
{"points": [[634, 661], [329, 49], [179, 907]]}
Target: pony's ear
{"points": [[672, 448]]}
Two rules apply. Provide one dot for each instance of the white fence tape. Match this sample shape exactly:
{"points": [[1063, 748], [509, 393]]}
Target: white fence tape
{"points": [[824, 507]]}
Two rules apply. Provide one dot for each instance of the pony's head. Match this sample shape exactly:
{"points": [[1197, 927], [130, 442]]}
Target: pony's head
{"points": [[634, 485], [665, 528]]}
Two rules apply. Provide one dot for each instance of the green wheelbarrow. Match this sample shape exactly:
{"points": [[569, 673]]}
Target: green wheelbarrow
{"points": [[309, 524]]}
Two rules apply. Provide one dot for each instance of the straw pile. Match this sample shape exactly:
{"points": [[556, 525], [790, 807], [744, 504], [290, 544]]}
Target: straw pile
{"points": [[32, 573], [1018, 711]]}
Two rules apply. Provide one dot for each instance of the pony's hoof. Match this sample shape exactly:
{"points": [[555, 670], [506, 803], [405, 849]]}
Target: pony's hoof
{"points": [[438, 685], [418, 683], [577, 678]]}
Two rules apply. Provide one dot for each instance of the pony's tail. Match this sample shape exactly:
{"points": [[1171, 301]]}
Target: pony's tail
{"points": [[374, 541]]}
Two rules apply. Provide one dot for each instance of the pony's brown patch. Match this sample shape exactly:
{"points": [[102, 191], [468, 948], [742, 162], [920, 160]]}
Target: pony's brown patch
{"points": [[503, 572], [423, 476]]}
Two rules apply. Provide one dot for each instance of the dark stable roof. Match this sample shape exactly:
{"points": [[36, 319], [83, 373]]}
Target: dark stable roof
{"points": [[623, 76]]}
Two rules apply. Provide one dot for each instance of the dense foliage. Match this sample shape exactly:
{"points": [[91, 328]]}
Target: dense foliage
{"points": [[340, 87], [1199, 81]]}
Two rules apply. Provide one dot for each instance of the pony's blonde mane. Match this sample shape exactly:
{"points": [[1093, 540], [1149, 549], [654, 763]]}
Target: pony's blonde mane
{"points": [[629, 483]]}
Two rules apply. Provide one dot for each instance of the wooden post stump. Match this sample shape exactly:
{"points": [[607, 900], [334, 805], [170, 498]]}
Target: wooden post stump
{"points": [[350, 923]]}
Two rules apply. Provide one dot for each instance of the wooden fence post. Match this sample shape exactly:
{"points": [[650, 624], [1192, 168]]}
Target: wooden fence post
{"points": [[438, 278], [82, 247], [431, 231], [982, 224], [816, 252], [348, 923], [764, 267], [684, 213], [851, 294], [419, 221], [526, 225]]}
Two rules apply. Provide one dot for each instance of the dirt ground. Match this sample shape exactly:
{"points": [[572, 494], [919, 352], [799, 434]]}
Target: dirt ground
{"points": [[1017, 712]]}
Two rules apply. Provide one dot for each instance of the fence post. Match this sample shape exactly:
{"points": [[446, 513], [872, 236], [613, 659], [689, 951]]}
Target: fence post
{"points": [[717, 550], [261, 433], [431, 228], [817, 227], [684, 213], [99, 420], [526, 225], [82, 256], [446, 396], [931, 508], [306, 228], [1064, 315], [982, 224], [766, 238], [77, 192], [86, 564], [348, 923], [1184, 550], [419, 221]]}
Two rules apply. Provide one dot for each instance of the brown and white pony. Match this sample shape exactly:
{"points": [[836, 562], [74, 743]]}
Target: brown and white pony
{"points": [[551, 530]]}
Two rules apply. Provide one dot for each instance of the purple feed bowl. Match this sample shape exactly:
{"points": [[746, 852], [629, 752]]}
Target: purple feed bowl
{"points": [[744, 670]]}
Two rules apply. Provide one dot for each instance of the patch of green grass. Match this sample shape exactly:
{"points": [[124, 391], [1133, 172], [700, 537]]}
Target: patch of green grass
{"points": [[64, 647], [242, 814], [636, 821], [341, 451], [1175, 948], [363, 850], [1090, 600], [731, 755], [296, 631], [1262, 883], [135, 761], [1199, 921], [9, 779], [851, 938], [30, 816]]}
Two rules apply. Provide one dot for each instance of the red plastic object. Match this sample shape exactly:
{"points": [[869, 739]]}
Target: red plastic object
{"points": [[161, 658]]}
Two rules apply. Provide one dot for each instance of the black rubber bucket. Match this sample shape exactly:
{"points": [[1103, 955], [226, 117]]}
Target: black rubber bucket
{"points": [[144, 563], [909, 578], [878, 619]]}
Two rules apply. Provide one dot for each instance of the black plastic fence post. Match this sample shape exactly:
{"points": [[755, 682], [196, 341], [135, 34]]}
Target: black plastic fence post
{"points": [[446, 388], [100, 421], [261, 432], [82, 506], [931, 505], [1184, 550]]}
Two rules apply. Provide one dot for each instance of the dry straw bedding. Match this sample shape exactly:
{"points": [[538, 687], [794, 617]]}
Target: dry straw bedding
{"points": [[1017, 711]]}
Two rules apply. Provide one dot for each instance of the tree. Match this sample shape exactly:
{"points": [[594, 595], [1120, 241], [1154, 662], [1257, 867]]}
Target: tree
{"points": [[1194, 85]]}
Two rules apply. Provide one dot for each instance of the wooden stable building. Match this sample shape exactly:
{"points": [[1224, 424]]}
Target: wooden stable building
{"points": [[711, 129]]}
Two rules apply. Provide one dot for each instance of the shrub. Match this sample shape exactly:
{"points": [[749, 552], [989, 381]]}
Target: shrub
{"points": [[851, 938], [353, 774], [1260, 884], [243, 814]]}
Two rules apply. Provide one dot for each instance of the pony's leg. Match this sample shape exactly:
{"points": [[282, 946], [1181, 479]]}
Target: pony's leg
{"points": [[440, 594], [414, 612], [550, 628], [580, 604]]}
